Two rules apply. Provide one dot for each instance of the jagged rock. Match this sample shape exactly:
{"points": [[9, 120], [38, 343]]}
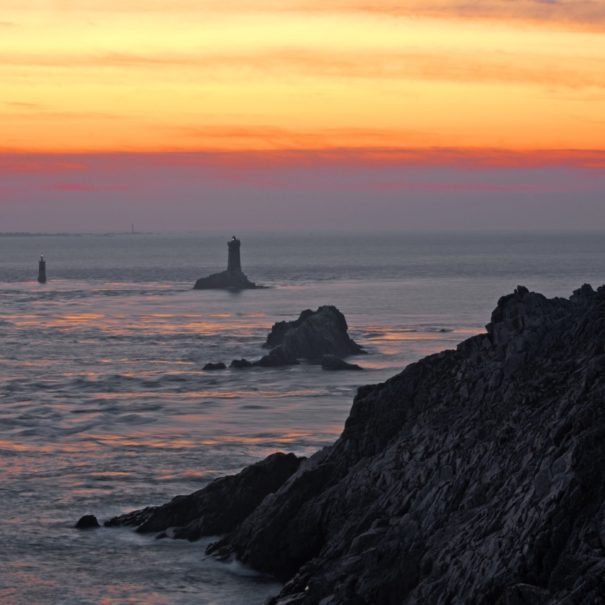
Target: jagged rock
{"points": [[313, 334], [215, 366], [219, 506], [473, 476], [87, 522], [241, 363], [334, 363], [132, 519]]}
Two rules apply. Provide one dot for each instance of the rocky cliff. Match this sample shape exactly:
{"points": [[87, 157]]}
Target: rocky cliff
{"points": [[474, 476]]}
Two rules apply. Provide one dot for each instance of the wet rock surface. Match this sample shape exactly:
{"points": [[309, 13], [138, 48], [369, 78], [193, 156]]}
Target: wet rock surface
{"points": [[218, 507], [473, 476], [87, 522]]}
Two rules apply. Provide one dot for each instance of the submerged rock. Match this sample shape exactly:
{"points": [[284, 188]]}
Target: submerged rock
{"points": [[241, 363], [334, 363], [218, 507], [215, 366], [314, 334], [473, 476], [87, 522]]}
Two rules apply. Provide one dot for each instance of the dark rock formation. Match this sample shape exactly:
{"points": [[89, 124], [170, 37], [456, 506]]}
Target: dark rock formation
{"points": [[87, 522], [225, 281], [313, 334], [474, 476], [276, 358], [215, 366], [334, 363], [218, 507], [231, 279], [241, 363]]}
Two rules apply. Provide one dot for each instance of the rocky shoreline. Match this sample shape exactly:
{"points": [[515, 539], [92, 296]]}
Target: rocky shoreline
{"points": [[473, 476]]}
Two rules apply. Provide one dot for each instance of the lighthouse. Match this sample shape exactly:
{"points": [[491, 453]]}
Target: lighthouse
{"points": [[234, 261], [233, 278], [42, 270]]}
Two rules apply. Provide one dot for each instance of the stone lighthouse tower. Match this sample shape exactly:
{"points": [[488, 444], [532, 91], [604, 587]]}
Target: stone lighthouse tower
{"points": [[233, 278], [234, 262]]}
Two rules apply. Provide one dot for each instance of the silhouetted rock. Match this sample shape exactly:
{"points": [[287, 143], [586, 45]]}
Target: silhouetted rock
{"points": [[313, 334], [276, 358], [473, 476], [241, 363], [87, 522], [215, 366], [231, 279], [218, 507], [225, 280], [334, 363]]}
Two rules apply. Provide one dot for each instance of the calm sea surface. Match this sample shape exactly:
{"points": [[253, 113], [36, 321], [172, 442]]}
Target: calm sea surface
{"points": [[104, 406]]}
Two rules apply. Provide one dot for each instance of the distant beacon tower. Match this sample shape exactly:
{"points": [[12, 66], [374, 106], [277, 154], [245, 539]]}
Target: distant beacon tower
{"points": [[234, 263], [42, 270]]}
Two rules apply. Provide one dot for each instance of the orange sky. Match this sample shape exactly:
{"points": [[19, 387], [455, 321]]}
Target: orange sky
{"points": [[237, 75]]}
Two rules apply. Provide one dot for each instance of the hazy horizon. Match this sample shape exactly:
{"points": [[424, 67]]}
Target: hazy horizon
{"points": [[219, 232], [169, 193]]}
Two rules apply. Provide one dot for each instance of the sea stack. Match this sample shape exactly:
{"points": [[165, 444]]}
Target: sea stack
{"points": [[231, 279], [42, 270]]}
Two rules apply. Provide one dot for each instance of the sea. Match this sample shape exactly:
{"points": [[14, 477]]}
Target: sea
{"points": [[105, 406]]}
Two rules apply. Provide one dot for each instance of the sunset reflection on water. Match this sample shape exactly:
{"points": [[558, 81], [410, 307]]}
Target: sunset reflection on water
{"points": [[106, 407]]}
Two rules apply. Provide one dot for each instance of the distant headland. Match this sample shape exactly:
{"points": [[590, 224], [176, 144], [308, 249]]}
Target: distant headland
{"points": [[231, 279]]}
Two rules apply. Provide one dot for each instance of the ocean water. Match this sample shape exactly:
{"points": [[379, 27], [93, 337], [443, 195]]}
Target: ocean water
{"points": [[104, 406]]}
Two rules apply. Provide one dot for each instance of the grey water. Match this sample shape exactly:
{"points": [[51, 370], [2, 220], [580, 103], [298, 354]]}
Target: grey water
{"points": [[105, 407]]}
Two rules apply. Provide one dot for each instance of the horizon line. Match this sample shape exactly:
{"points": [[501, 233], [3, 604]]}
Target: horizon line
{"points": [[480, 157]]}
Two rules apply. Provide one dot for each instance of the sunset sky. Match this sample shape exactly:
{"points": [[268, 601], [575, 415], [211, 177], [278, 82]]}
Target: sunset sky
{"points": [[426, 113]]}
